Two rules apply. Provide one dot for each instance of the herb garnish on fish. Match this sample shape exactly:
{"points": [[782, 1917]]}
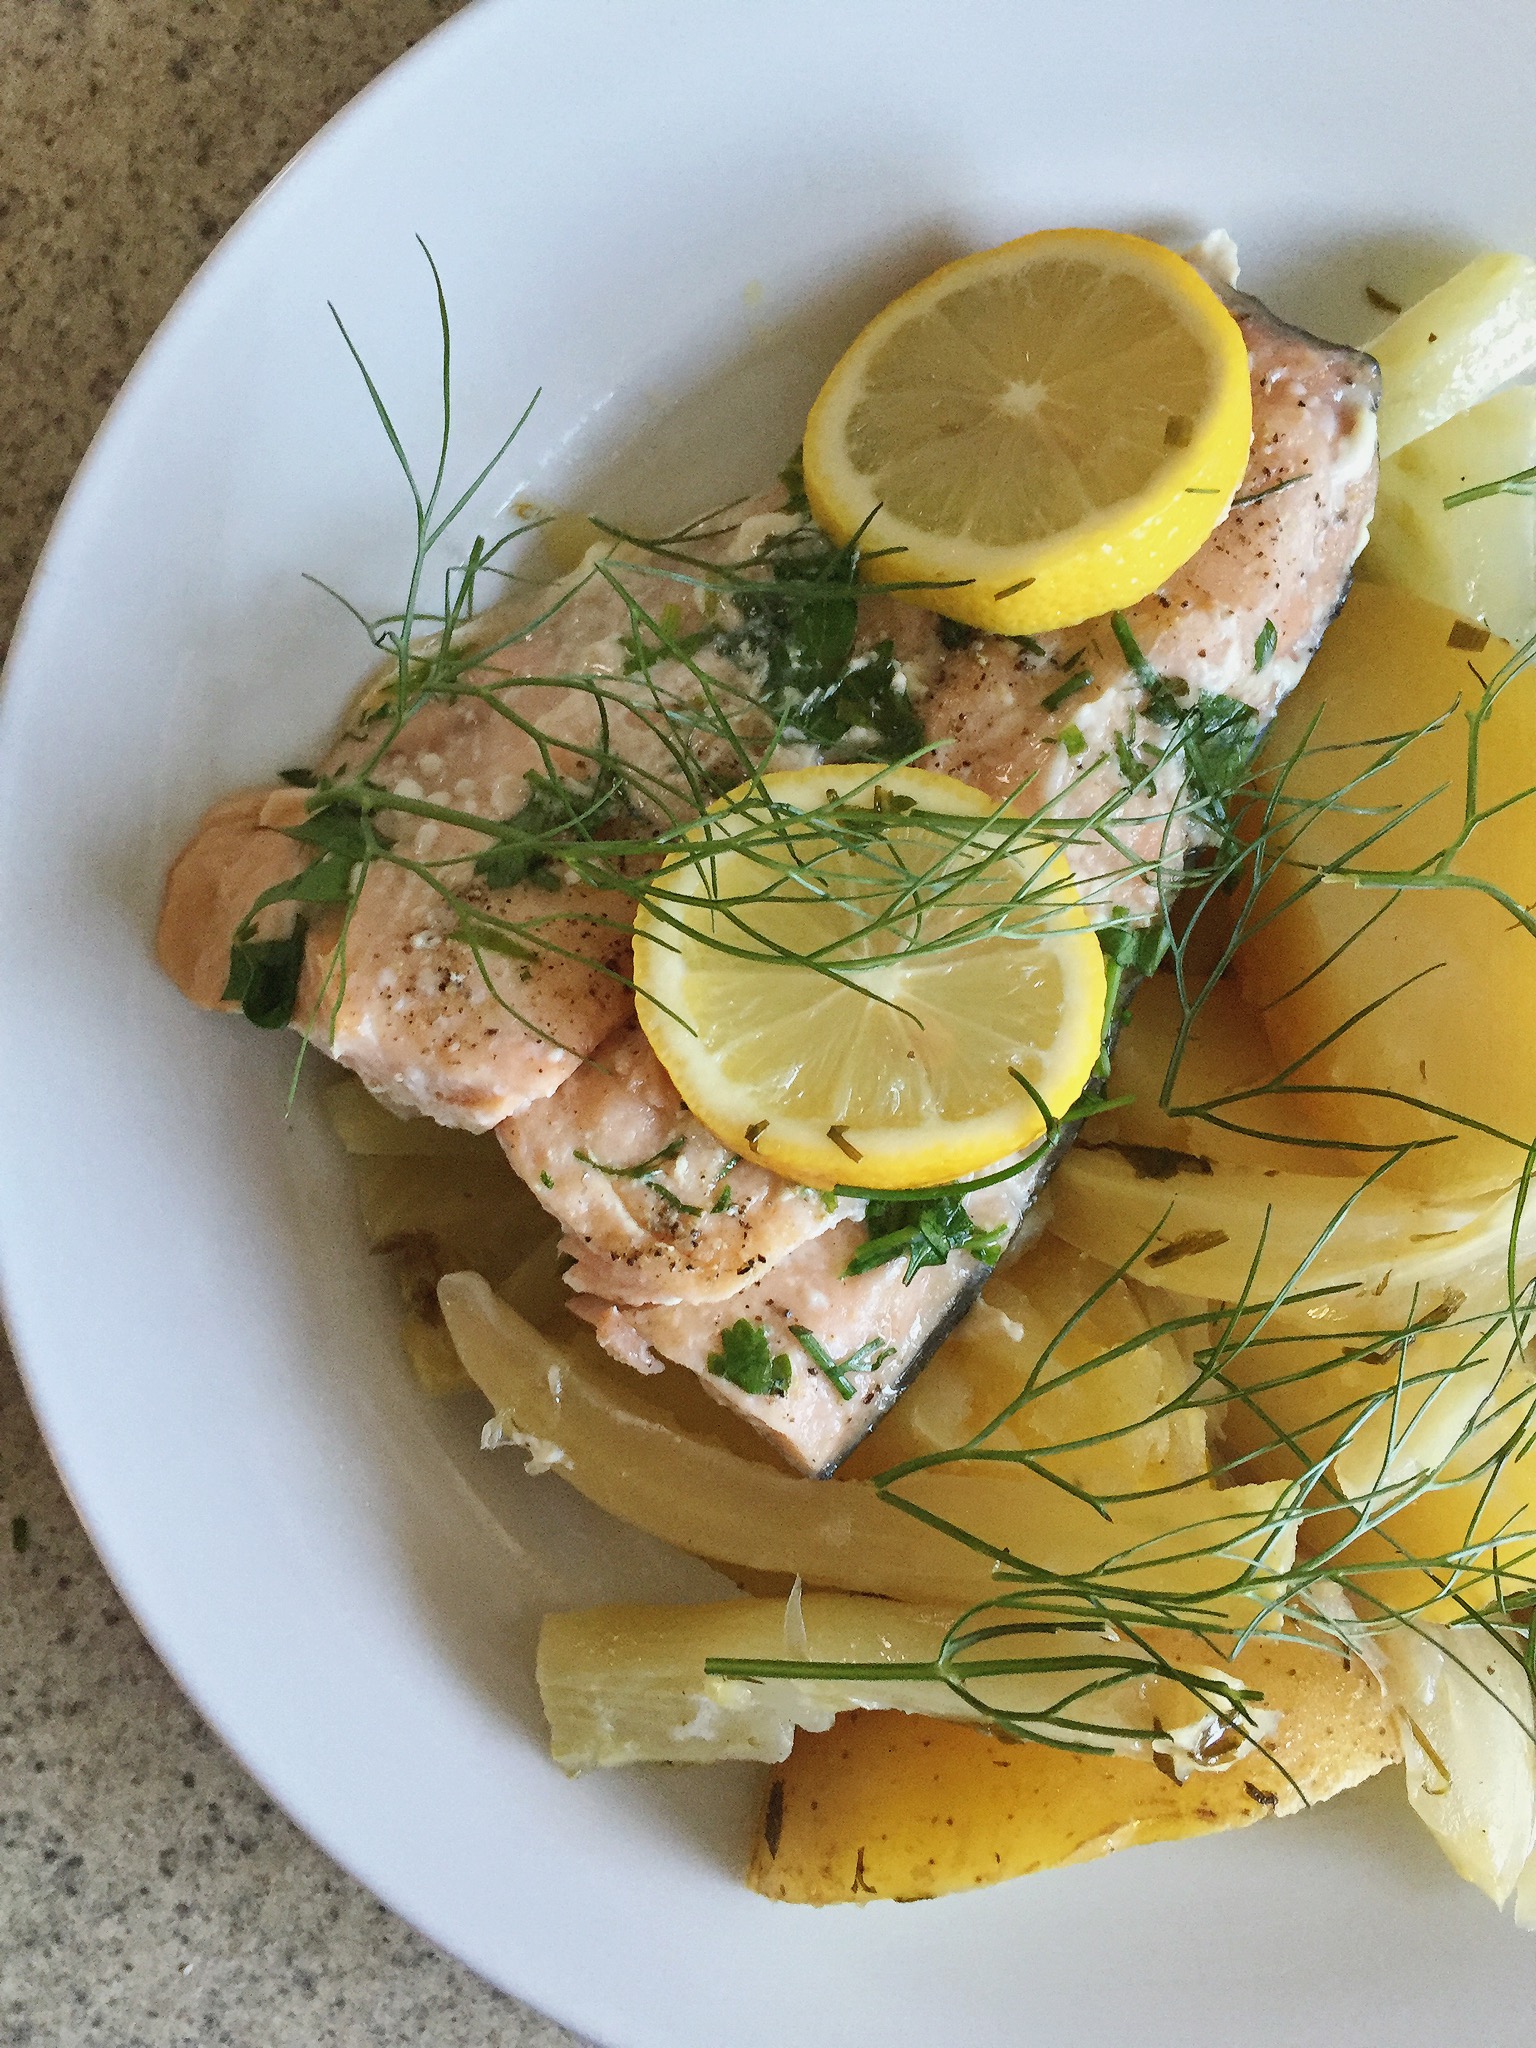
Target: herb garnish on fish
{"points": [[869, 1357], [744, 1358], [552, 806], [647, 1174], [803, 654], [924, 1232]]}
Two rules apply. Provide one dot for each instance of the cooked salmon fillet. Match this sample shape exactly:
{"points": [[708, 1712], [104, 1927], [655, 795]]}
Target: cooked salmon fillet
{"points": [[414, 1016], [1273, 573], [654, 1207], [894, 1322], [673, 1241]]}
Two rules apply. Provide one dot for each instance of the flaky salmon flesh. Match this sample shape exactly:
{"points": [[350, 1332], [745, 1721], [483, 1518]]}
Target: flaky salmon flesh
{"points": [[673, 1240]]}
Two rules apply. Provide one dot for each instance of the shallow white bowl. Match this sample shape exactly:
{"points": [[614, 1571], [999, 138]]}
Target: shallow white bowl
{"points": [[669, 216]]}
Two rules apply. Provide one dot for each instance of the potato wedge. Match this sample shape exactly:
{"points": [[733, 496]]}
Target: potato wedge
{"points": [[1203, 1198], [1465, 1543], [1456, 346], [1219, 1053], [893, 1806], [1232, 1231], [1429, 1505], [1451, 968]]}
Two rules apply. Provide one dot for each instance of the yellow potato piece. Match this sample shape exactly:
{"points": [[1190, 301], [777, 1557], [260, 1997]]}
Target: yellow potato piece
{"points": [[1477, 1523], [893, 1806], [1459, 1035], [1205, 1201], [1422, 1445]]}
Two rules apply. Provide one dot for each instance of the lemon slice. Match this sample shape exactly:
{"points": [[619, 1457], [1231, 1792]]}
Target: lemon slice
{"points": [[844, 968], [1059, 422]]}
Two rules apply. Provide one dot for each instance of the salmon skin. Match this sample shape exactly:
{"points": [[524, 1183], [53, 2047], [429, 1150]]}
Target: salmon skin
{"points": [[805, 1314]]}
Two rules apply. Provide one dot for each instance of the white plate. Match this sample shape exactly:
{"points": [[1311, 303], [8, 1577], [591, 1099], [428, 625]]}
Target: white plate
{"points": [[669, 216]]}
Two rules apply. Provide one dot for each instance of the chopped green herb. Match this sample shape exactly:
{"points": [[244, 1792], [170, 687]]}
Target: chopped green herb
{"points": [[550, 807], [638, 1171], [925, 1231], [868, 698], [1130, 647], [1264, 646], [298, 778], [869, 1357], [792, 477], [955, 633], [21, 1534], [1155, 1162], [1189, 1246], [1028, 644], [1054, 699], [799, 642], [546, 1180], [1164, 701], [799, 645], [264, 976], [1218, 741], [1269, 490], [722, 1200], [1073, 741], [1131, 952], [746, 1361], [340, 830], [1217, 735], [645, 1172]]}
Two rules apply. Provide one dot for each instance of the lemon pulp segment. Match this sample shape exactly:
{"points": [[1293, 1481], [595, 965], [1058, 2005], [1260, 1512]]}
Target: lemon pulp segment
{"points": [[1051, 427], [851, 1005]]}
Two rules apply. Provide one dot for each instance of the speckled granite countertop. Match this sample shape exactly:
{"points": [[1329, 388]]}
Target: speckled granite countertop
{"points": [[150, 1896]]}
